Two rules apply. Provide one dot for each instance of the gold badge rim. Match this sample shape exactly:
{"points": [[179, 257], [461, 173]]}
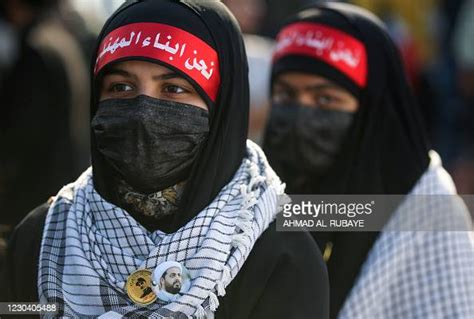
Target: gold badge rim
{"points": [[130, 294]]}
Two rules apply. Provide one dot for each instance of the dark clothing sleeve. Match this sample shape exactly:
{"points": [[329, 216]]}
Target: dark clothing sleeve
{"points": [[283, 277], [21, 264]]}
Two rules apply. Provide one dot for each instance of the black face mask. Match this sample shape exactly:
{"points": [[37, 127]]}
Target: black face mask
{"points": [[151, 143], [301, 143]]}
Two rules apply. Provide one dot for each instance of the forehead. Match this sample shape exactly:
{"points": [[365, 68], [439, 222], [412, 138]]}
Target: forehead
{"points": [[139, 68], [173, 270], [301, 81]]}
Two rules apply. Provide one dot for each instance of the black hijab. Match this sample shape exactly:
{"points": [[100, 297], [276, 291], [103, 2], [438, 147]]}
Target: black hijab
{"points": [[385, 151], [225, 147]]}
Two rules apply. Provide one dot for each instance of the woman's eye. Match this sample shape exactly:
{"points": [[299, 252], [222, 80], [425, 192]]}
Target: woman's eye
{"points": [[282, 96], [325, 100], [121, 87], [174, 89]]}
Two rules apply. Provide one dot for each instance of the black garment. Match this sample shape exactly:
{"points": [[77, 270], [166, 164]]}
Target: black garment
{"points": [[283, 277], [385, 151], [220, 157], [39, 106], [34, 96]]}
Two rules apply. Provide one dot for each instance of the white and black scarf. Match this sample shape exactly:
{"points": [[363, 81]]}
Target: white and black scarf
{"points": [[420, 274], [90, 246]]}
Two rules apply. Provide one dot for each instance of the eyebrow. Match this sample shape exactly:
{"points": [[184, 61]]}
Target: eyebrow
{"points": [[115, 71], [161, 77], [309, 87], [167, 76]]}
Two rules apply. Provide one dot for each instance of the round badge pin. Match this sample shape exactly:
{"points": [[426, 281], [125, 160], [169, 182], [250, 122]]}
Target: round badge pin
{"points": [[138, 287], [169, 280]]}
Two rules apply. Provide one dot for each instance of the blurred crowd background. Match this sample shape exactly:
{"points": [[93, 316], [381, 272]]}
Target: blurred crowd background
{"points": [[45, 48]]}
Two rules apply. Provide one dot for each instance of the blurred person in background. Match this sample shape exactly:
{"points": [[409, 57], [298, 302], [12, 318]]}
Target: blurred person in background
{"points": [[344, 121], [94, 12], [44, 96], [463, 40], [250, 15], [443, 97]]}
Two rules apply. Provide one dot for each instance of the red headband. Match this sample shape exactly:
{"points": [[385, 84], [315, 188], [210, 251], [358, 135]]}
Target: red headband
{"points": [[334, 47], [165, 43]]}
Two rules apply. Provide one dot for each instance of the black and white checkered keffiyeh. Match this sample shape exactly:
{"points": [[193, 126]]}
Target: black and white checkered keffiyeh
{"points": [[91, 246], [420, 274]]}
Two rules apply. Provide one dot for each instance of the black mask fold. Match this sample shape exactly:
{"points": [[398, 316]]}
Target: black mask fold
{"points": [[302, 143], [151, 143]]}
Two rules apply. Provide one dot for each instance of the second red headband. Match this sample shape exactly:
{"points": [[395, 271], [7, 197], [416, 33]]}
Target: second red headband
{"points": [[336, 48]]}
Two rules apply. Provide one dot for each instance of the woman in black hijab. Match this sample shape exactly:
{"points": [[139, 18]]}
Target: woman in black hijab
{"points": [[173, 183], [344, 121]]}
